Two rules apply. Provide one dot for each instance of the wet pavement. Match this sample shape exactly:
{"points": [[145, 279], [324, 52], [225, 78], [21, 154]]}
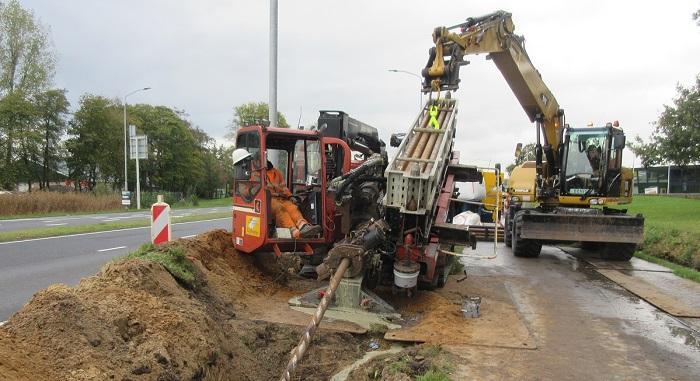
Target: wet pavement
{"points": [[585, 326]]}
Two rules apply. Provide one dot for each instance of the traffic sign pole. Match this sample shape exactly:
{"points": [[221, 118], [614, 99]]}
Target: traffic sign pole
{"points": [[138, 178]]}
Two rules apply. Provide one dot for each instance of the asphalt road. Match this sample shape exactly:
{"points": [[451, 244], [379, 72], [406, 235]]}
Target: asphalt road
{"points": [[87, 219], [31, 265], [585, 326]]}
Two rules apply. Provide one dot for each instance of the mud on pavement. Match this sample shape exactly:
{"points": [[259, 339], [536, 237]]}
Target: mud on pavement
{"points": [[134, 321]]}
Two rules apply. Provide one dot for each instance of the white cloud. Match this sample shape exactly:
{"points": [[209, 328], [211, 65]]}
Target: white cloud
{"points": [[603, 60]]}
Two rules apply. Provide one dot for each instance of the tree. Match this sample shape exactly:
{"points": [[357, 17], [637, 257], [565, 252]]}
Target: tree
{"points": [[21, 138], [96, 141], [26, 59], [26, 68], [527, 153], [676, 136], [696, 17], [52, 107], [254, 113]]}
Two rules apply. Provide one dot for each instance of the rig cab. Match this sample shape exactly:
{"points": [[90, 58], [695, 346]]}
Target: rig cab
{"points": [[309, 160]]}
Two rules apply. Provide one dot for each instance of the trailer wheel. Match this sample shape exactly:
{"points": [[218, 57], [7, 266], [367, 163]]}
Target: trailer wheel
{"points": [[617, 251], [525, 248]]}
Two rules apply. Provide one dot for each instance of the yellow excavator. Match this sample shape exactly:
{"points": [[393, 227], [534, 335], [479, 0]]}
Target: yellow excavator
{"points": [[566, 194]]}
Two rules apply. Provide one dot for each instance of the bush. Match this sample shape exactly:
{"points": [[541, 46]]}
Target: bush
{"points": [[54, 202], [150, 198]]}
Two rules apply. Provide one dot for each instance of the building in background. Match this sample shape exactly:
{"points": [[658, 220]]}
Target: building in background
{"points": [[655, 179]]}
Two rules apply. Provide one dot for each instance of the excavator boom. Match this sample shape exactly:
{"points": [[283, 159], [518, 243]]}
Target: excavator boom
{"points": [[494, 35]]}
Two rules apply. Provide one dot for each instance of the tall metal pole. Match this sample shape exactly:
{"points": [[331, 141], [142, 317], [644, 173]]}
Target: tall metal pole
{"points": [[138, 178], [126, 141], [273, 64]]}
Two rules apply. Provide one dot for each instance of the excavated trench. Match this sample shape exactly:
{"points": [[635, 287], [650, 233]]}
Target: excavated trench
{"points": [[134, 321]]}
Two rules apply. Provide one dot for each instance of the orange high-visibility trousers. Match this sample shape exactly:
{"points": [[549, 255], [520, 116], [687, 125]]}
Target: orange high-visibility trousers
{"points": [[286, 214]]}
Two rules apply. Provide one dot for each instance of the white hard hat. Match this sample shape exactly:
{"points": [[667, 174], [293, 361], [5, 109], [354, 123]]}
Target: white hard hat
{"points": [[240, 154]]}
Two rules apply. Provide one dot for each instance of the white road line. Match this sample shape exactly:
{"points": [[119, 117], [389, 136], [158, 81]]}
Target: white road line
{"points": [[106, 231], [111, 248], [61, 224], [189, 236]]}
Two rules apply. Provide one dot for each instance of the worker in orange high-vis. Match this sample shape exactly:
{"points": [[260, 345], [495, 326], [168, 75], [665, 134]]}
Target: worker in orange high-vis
{"points": [[286, 212]]}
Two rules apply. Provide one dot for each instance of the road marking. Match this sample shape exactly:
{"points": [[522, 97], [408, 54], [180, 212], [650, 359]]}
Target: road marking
{"points": [[111, 248], [61, 224], [189, 236], [106, 231]]}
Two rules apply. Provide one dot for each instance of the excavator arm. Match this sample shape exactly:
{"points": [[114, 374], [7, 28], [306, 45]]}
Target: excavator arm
{"points": [[493, 35]]}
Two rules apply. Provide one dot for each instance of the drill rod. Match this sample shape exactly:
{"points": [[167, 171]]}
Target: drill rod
{"points": [[300, 349]]}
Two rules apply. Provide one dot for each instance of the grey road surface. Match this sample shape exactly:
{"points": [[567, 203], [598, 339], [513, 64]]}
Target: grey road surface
{"points": [[585, 326], [87, 219], [31, 265]]}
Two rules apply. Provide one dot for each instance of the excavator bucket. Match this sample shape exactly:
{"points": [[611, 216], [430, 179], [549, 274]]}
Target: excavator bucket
{"points": [[589, 227]]}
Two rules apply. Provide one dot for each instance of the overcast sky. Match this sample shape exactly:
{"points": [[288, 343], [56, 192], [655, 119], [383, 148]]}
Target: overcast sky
{"points": [[603, 60]]}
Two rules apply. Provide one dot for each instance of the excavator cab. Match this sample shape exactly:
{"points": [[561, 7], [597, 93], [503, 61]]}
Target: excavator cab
{"points": [[592, 163]]}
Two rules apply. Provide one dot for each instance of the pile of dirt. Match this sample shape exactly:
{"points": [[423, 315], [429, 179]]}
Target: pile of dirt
{"points": [[134, 321]]}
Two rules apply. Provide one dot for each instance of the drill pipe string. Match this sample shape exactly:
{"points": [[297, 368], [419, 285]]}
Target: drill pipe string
{"points": [[300, 349]]}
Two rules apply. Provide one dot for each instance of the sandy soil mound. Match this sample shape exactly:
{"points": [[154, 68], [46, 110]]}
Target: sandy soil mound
{"points": [[134, 321]]}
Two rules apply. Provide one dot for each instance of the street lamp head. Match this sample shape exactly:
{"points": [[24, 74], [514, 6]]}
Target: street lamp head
{"points": [[146, 88]]}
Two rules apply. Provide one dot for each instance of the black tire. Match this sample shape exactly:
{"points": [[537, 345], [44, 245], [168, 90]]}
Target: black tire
{"points": [[524, 248], [617, 251], [591, 246], [508, 231]]}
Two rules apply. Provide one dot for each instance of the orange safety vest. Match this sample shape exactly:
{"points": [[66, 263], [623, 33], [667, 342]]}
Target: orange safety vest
{"points": [[276, 183]]}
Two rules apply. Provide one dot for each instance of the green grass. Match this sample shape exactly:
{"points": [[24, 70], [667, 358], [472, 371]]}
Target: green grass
{"points": [[226, 201], [102, 226], [667, 212], [437, 364], [433, 375], [671, 232], [173, 258]]}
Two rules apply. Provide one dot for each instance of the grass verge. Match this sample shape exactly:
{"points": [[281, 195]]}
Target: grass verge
{"points": [[681, 271], [671, 232], [102, 226], [425, 363], [171, 257]]}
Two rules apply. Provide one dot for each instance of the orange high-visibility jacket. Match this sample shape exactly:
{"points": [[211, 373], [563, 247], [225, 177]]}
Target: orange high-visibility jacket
{"points": [[276, 183]]}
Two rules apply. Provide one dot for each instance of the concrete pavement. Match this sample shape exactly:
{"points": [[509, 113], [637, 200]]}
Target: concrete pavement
{"points": [[88, 219], [31, 265], [585, 326]]}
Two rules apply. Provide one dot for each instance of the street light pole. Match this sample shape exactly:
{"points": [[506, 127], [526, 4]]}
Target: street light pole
{"points": [[415, 75], [126, 140], [272, 106]]}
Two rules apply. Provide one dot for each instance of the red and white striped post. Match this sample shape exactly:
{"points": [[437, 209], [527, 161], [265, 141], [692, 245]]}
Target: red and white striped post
{"points": [[160, 222]]}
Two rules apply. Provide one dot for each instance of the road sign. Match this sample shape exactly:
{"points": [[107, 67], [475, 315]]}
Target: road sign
{"points": [[126, 198], [132, 130], [140, 142], [160, 222]]}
